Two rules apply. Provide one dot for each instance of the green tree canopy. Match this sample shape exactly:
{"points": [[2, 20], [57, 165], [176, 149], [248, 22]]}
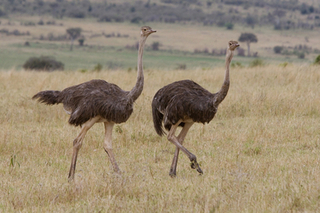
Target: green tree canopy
{"points": [[248, 38], [73, 33]]}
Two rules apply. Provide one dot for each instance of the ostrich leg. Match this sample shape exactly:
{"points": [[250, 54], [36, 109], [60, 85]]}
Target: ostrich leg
{"points": [[108, 145], [181, 138], [77, 143], [173, 139]]}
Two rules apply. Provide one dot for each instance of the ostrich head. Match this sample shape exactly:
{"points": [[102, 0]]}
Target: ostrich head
{"points": [[232, 45], [146, 31]]}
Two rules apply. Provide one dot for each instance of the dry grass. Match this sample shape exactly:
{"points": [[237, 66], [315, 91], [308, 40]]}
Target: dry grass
{"points": [[260, 153]]}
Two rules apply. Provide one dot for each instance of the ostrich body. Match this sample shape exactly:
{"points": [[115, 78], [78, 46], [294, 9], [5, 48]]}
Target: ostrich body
{"points": [[98, 101], [182, 103]]}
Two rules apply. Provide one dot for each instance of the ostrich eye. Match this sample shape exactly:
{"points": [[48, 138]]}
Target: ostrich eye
{"points": [[144, 29]]}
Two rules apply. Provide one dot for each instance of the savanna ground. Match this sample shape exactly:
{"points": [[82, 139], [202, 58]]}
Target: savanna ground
{"points": [[260, 153]]}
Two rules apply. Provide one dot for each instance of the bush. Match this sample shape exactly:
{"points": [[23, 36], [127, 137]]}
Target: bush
{"points": [[277, 49], [97, 67], [257, 63], [317, 60], [77, 13], [45, 63], [155, 46], [229, 26], [136, 20], [301, 55], [181, 67], [284, 64], [236, 65]]}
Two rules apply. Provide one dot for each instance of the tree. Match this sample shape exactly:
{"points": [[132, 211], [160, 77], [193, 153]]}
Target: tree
{"points": [[249, 38], [73, 33], [155, 46], [250, 20]]}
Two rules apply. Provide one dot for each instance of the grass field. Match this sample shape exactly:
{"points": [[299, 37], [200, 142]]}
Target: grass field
{"points": [[260, 153], [177, 44]]}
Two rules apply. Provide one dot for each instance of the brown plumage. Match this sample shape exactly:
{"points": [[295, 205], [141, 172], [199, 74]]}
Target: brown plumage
{"points": [[183, 103], [98, 101], [91, 99]]}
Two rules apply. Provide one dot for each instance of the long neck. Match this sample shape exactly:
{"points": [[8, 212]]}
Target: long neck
{"points": [[225, 86], [137, 89]]}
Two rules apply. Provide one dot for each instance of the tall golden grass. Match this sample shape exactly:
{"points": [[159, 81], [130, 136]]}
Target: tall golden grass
{"points": [[260, 153]]}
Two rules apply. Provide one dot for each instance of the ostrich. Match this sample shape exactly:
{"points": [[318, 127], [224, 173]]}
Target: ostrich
{"points": [[98, 101], [182, 103]]}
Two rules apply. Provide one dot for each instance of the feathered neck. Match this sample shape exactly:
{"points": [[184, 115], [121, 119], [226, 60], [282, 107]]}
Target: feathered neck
{"points": [[219, 97], [137, 89]]}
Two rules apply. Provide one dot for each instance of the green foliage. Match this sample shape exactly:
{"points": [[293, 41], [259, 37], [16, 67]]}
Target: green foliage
{"points": [[306, 9], [317, 60], [155, 46], [277, 49], [208, 12], [45, 63], [76, 13], [136, 20], [74, 32], [284, 64], [250, 20], [2, 13], [248, 37], [301, 55], [229, 26], [236, 65], [181, 67], [257, 63], [13, 161], [81, 41], [97, 67], [83, 70]]}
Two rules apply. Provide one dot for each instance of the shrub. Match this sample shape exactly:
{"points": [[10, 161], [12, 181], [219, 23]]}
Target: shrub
{"points": [[317, 60], [136, 20], [181, 67], [77, 13], [40, 22], [229, 26], [257, 63], [236, 64], [97, 67], [284, 64], [81, 41], [155, 46], [2, 13], [45, 63], [277, 49], [301, 55]]}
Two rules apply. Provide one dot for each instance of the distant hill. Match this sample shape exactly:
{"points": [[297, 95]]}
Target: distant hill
{"points": [[282, 14]]}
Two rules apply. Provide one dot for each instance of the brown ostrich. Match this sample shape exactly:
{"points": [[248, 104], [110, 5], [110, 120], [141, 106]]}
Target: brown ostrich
{"points": [[98, 101], [182, 103]]}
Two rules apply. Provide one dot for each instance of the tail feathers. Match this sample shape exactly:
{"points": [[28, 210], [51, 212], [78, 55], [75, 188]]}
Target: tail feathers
{"points": [[49, 97], [157, 121]]}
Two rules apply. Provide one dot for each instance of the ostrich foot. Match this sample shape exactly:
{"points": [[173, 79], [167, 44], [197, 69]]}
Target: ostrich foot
{"points": [[195, 165], [172, 173]]}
